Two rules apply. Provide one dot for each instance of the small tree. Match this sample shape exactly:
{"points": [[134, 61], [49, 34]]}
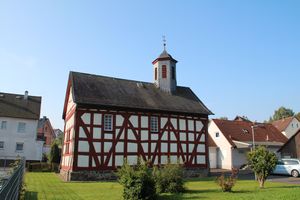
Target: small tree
{"points": [[227, 183], [137, 181], [169, 178], [262, 162], [54, 157]]}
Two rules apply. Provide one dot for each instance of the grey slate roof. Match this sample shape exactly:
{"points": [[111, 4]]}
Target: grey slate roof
{"points": [[14, 105], [113, 92]]}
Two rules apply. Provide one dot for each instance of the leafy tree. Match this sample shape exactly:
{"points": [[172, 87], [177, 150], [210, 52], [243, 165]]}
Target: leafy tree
{"points": [[281, 113], [54, 156], [262, 162], [298, 116], [223, 118]]}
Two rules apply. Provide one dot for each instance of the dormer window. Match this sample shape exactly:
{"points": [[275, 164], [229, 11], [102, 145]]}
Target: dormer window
{"points": [[245, 131]]}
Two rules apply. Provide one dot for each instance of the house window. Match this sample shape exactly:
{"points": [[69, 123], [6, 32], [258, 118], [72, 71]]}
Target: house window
{"points": [[3, 124], [21, 127], [154, 124], [155, 73], [1, 145], [173, 73], [108, 122], [19, 146], [164, 71], [293, 125], [217, 134]]}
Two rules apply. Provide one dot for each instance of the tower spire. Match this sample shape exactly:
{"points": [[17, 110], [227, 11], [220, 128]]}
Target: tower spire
{"points": [[164, 42]]}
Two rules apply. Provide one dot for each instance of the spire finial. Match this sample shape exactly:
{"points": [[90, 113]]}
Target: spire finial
{"points": [[164, 41]]}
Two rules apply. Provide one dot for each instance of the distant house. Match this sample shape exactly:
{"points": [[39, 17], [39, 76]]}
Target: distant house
{"points": [[19, 115], [291, 149], [288, 126], [234, 139], [46, 133]]}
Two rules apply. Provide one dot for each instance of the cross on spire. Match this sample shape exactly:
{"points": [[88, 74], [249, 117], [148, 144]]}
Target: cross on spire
{"points": [[164, 41]]}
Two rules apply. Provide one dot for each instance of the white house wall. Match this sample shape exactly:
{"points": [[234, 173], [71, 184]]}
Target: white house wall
{"points": [[180, 138], [32, 149], [292, 128], [224, 158]]}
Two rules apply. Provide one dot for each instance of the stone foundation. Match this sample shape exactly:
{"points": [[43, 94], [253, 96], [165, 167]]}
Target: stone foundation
{"points": [[110, 175]]}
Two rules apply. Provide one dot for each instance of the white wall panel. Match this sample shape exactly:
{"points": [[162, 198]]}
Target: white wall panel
{"points": [[134, 120], [120, 147], [144, 122], [132, 147], [97, 119], [86, 118], [199, 125], [83, 146], [83, 161], [201, 148], [182, 124], [119, 120], [97, 133], [191, 125], [97, 146]]}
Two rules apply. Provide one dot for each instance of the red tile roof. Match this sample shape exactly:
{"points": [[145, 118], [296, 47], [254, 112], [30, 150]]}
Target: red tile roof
{"points": [[241, 131], [282, 124]]}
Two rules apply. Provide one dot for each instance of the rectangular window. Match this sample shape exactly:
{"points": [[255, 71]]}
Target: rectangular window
{"points": [[173, 73], [217, 134], [19, 146], [164, 71], [108, 122], [3, 125], [155, 73], [1, 145], [154, 124], [21, 127]]}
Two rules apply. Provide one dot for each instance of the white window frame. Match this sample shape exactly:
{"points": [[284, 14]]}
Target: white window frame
{"points": [[3, 125], [21, 130], [19, 143], [2, 146], [108, 122], [154, 124]]}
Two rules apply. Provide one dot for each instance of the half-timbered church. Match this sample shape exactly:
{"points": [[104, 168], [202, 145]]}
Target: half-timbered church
{"points": [[108, 120]]}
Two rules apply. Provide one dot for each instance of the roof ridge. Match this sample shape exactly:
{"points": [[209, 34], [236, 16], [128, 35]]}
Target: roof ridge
{"points": [[122, 79]]}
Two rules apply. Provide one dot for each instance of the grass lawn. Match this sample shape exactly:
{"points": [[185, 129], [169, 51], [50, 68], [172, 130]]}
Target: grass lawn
{"points": [[48, 186]]}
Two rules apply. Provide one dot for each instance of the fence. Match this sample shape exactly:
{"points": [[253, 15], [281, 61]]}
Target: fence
{"points": [[9, 188]]}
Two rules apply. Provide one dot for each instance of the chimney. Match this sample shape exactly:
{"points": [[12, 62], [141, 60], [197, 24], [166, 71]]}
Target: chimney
{"points": [[26, 95]]}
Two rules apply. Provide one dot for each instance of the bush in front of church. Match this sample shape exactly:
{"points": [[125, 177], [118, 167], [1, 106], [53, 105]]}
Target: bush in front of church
{"points": [[137, 181], [169, 178]]}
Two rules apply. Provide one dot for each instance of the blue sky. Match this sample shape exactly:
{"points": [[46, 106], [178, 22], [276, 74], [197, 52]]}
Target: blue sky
{"points": [[239, 57]]}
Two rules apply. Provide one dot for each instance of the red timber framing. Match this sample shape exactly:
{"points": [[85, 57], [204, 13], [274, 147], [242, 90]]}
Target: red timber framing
{"points": [[105, 159]]}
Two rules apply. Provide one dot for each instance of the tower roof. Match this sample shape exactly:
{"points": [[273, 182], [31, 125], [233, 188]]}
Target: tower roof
{"points": [[164, 56]]}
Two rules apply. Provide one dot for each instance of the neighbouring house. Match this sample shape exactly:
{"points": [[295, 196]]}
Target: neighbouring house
{"points": [[45, 132], [19, 115], [288, 126], [109, 119], [291, 149], [234, 139]]}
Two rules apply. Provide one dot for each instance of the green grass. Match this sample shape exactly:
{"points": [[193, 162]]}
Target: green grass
{"points": [[48, 186]]}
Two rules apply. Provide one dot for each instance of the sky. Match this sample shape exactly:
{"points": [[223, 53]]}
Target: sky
{"points": [[239, 57]]}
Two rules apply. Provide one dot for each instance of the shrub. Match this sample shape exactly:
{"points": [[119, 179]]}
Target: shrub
{"points": [[262, 162], [169, 178], [227, 183], [137, 181]]}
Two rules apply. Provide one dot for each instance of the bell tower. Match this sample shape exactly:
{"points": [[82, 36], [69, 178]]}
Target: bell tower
{"points": [[164, 68]]}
